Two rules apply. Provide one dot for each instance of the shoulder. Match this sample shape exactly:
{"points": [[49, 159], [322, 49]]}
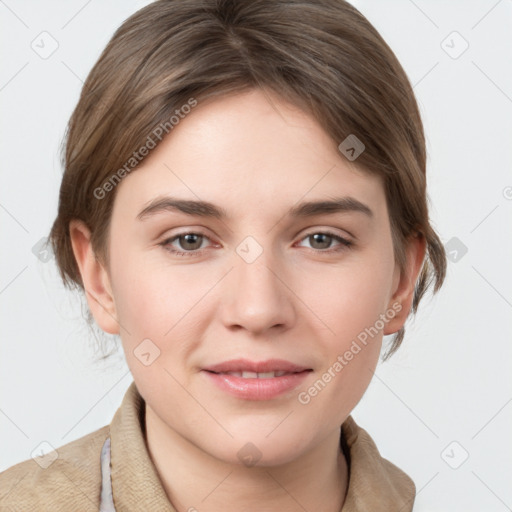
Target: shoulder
{"points": [[375, 482], [65, 479]]}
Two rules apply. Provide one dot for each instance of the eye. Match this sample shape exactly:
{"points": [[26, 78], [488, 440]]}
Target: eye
{"points": [[191, 243], [322, 241]]}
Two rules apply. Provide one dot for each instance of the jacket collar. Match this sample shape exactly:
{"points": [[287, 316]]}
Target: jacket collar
{"points": [[374, 483]]}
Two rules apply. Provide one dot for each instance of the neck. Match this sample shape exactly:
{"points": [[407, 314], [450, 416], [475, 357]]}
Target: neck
{"points": [[193, 479]]}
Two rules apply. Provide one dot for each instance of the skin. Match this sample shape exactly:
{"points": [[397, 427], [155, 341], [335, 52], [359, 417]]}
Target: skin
{"points": [[301, 300]]}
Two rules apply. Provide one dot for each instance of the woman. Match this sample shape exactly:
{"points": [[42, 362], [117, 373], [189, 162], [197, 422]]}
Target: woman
{"points": [[244, 203]]}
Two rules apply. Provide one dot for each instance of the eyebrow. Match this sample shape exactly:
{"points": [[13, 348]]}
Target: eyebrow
{"points": [[207, 209]]}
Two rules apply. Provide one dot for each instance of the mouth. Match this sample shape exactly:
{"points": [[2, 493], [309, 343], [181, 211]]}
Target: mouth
{"points": [[247, 369], [251, 380], [255, 375]]}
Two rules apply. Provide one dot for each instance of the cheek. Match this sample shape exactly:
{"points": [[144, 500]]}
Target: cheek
{"points": [[140, 305], [349, 357], [148, 294], [137, 288], [150, 302], [160, 302], [349, 297]]}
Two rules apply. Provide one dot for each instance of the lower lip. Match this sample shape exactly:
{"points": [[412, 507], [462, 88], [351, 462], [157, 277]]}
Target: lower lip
{"points": [[257, 389]]}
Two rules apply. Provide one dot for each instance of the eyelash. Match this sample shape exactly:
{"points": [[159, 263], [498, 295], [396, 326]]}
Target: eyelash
{"points": [[344, 243]]}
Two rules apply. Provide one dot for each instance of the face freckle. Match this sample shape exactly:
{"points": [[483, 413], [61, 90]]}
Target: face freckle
{"points": [[264, 284]]}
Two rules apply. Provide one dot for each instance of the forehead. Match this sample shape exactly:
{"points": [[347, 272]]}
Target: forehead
{"points": [[249, 151]]}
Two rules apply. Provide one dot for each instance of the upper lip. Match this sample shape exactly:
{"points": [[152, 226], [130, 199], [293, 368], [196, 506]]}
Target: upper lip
{"points": [[244, 365]]}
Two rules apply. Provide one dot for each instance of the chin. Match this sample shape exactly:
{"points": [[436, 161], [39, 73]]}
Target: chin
{"points": [[252, 448]]}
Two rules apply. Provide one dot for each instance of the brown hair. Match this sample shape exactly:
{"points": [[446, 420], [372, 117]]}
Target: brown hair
{"points": [[322, 55]]}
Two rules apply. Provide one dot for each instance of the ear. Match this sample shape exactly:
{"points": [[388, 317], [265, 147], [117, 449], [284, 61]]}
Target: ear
{"points": [[404, 283], [95, 278]]}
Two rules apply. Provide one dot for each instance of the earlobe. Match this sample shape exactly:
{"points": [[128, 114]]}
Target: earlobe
{"points": [[405, 283], [95, 278]]}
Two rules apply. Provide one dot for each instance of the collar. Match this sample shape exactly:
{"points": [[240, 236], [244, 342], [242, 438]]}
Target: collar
{"points": [[130, 480]]}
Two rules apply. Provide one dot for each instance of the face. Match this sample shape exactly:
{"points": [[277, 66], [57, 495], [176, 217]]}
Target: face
{"points": [[254, 281]]}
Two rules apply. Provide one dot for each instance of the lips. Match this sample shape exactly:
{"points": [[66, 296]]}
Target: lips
{"points": [[251, 380]]}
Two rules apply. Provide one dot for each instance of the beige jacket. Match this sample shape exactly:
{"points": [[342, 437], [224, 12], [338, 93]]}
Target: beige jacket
{"points": [[73, 481]]}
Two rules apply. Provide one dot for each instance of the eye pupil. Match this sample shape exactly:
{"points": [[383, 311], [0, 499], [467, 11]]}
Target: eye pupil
{"points": [[191, 238], [322, 238]]}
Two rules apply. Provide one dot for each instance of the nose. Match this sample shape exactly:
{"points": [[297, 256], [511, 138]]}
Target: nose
{"points": [[257, 297]]}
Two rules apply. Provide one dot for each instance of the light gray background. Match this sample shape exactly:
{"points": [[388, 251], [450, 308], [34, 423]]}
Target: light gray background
{"points": [[450, 381]]}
